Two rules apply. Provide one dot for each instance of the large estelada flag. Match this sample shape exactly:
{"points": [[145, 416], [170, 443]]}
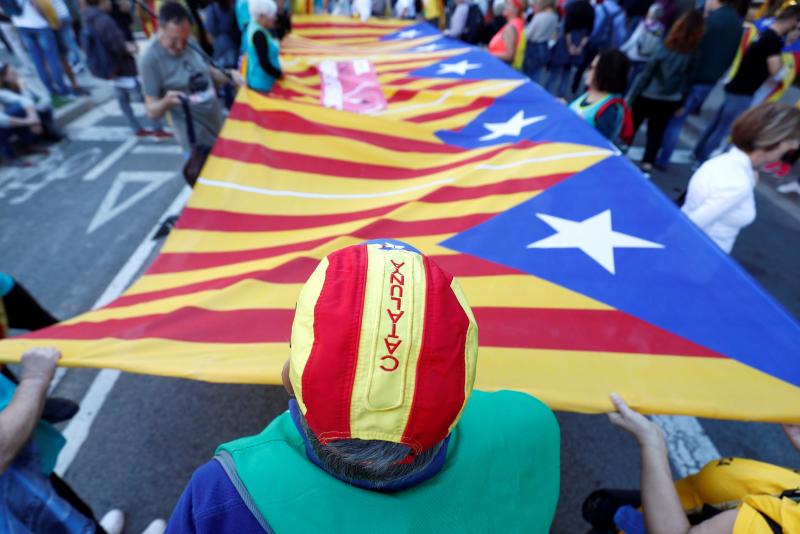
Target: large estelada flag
{"points": [[583, 277]]}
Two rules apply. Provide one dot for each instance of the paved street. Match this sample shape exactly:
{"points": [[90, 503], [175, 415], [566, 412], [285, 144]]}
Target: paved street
{"points": [[71, 223]]}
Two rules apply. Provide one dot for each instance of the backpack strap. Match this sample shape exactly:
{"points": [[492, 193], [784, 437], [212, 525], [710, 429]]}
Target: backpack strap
{"points": [[610, 102], [189, 122]]}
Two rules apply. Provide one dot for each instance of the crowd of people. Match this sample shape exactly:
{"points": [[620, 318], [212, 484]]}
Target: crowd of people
{"points": [[621, 65]]}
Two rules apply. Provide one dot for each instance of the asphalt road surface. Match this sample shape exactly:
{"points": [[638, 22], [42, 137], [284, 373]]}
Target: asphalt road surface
{"points": [[69, 225]]}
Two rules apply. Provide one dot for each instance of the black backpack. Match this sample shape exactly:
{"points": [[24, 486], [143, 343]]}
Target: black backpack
{"points": [[473, 26]]}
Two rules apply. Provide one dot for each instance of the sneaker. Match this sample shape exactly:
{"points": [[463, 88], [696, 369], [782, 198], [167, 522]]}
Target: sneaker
{"points": [[158, 526], [162, 135], [783, 170], [791, 187], [144, 132], [113, 522]]}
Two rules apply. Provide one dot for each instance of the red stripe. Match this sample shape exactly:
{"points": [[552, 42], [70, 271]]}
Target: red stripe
{"points": [[295, 271], [439, 382], [402, 95], [327, 383], [280, 91], [229, 221], [589, 330], [478, 103], [382, 228], [197, 325], [284, 121], [277, 159]]}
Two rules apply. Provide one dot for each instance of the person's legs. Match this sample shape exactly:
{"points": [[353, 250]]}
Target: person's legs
{"points": [[694, 100], [563, 83], [124, 100], [639, 109], [67, 36], [47, 42], [733, 106], [31, 43], [68, 494], [660, 114]]}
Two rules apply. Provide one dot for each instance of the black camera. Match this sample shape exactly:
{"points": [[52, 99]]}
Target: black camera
{"points": [[198, 83]]}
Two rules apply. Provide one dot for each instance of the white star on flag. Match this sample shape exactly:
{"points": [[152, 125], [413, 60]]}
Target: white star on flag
{"points": [[459, 68], [594, 236], [407, 34], [512, 126]]}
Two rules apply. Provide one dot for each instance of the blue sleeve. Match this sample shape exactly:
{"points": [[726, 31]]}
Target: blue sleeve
{"points": [[210, 504]]}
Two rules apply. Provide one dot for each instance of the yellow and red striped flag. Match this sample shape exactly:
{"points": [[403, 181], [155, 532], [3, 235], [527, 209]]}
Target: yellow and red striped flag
{"points": [[583, 278]]}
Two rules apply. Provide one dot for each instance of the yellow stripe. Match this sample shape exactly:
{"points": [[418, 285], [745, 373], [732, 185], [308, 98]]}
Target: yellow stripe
{"points": [[246, 363], [303, 329], [704, 387], [248, 294], [470, 349], [523, 291], [383, 388]]}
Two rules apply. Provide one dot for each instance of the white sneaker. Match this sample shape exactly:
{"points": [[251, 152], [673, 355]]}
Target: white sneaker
{"points": [[158, 526], [791, 187], [113, 522]]}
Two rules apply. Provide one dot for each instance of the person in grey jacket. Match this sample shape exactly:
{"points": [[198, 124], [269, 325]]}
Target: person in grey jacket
{"points": [[665, 81]]}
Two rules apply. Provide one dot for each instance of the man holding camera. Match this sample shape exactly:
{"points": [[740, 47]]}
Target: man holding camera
{"points": [[172, 69]]}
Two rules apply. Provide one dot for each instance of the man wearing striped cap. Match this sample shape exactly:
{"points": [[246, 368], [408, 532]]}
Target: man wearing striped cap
{"points": [[383, 432]]}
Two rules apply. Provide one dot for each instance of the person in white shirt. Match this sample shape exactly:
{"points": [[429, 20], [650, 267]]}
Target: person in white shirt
{"points": [[720, 196], [458, 20]]}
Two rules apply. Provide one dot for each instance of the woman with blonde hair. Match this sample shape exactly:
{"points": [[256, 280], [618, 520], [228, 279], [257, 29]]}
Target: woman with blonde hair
{"points": [[720, 196]]}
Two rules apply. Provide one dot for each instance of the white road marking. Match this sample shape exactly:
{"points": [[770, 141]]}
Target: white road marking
{"points": [[111, 206], [688, 445], [159, 150], [92, 117], [110, 160], [78, 428], [326, 196], [102, 134]]}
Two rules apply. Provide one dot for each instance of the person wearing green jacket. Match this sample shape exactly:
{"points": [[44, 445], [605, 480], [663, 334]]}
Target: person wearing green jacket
{"points": [[384, 432]]}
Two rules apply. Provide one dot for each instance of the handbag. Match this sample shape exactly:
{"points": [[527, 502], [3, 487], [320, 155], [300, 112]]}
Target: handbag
{"points": [[198, 153]]}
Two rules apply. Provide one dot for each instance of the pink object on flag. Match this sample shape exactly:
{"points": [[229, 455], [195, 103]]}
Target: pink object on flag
{"points": [[351, 86]]}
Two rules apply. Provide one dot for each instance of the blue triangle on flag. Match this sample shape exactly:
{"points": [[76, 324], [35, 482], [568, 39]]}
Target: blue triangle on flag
{"points": [[542, 119], [472, 65], [652, 262]]}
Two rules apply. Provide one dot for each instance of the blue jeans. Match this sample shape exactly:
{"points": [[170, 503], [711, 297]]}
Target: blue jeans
{"points": [[67, 37], [124, 100], [694, 101], [717, 131], [536, 57], [558, 80], [43, 49]]}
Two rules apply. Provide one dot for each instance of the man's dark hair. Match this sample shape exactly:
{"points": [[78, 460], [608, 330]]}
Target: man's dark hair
{"points": [[611, 73], [788, 13], [173, 13]]}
